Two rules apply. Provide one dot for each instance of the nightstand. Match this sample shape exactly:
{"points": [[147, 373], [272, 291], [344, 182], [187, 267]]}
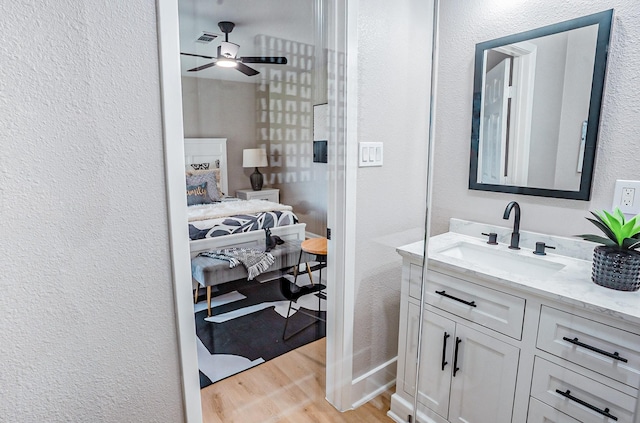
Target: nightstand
{"points": [[269, 194]]}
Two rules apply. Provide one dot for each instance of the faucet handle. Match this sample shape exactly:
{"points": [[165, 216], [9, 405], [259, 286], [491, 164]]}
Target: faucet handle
{"points": [[493, 238], [540, 247]]}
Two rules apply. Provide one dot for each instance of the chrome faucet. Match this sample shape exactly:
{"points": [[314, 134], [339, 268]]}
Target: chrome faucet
{"points": [[515, 235]]}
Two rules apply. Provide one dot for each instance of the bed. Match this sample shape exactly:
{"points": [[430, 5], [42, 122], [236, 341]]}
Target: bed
{"points": [[214, 151], [231, 222]]}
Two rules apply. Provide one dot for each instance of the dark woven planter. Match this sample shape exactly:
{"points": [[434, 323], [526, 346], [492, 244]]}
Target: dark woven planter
{"points": [[616, 269]]}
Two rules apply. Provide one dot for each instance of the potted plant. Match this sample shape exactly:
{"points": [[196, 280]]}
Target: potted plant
{"points": [[616, 263]]}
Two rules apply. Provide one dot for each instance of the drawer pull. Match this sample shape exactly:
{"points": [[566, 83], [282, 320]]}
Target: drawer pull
{"points": [[455, 357], [469, 303], [604, 412], [614, 355], [444, 349]]}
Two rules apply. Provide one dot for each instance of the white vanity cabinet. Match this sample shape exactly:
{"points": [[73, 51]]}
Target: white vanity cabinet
{"points": [[496, 352], [465, 375]]}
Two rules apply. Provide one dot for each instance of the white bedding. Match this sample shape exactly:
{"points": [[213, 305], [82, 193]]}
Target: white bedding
{"points": [[232, 208]]}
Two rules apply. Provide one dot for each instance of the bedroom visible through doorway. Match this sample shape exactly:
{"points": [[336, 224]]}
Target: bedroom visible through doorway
{"points": [[266, 105]]}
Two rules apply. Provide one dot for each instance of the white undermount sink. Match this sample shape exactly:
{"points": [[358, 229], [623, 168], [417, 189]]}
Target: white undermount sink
{"points": [[492, 258]]}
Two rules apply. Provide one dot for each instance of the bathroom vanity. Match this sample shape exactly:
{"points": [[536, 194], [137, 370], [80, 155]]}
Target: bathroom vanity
{"points": [[509, 336]]}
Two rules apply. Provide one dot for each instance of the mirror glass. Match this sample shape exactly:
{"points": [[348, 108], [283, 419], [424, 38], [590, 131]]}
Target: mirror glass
{"points": [[536, 109]]}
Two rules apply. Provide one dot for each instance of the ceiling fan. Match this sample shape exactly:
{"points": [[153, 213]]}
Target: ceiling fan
{"points": [[227, 53]]}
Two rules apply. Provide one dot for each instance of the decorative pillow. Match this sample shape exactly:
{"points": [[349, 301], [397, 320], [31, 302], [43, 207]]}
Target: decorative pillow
{"points": [[203, 166], [208, 177], [197, 194], [199, 166], [216, 175]]}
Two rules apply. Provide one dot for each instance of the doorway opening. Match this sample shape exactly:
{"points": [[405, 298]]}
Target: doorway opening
{"points": [[506, 115], [275, 113], [265, 106]]}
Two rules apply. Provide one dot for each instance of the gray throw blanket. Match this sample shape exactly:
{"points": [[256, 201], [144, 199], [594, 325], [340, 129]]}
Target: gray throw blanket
{"points": [[255, 261]]}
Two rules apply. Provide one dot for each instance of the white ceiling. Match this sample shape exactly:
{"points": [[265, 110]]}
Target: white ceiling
{"points": [[287, 19]]}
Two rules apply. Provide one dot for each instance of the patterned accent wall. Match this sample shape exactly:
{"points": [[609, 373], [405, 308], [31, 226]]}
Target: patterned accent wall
{"points": [[284, 126]]}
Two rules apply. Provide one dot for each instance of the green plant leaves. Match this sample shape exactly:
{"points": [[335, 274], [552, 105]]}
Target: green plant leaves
{"points": [[620, 233], [614, 223], [630, 243], [599, 239], [631, 228], [602, 225]]}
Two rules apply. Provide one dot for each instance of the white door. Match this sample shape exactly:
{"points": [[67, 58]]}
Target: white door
{"points": [[436, 362], [493, 121], [483, 387]]}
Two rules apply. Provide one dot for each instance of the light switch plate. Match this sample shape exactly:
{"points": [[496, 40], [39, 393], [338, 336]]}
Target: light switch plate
{"points": [[370, 154], [626, 196]]}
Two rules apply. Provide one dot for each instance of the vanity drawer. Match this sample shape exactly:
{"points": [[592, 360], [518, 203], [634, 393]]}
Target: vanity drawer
{"points": [[540, 412], [578, 396], [494, 309], [591, 344]]}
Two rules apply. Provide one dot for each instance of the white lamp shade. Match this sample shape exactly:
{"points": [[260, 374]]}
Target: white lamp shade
{"points": [[254, 157]]}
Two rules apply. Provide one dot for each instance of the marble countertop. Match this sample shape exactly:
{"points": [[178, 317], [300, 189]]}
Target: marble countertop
{"points": [[571, 284]]}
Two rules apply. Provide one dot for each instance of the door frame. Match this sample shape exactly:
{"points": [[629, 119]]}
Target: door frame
{"points": [[340, 208], [342, 165]]}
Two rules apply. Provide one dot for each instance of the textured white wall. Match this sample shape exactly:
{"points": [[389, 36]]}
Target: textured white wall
{"points": [[223, 109], [463, 24], [88, 329], [393, 108]]}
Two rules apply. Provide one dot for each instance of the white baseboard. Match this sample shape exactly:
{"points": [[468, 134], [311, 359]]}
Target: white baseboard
{"points": [[373, 383], [308, 235], [393, 416], [400, 409]]}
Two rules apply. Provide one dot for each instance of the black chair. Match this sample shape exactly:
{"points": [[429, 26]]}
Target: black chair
{"points": [[293, 292]]}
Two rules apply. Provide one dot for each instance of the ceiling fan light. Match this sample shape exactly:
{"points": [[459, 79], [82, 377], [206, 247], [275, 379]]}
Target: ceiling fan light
{"points": [[226, 63]]}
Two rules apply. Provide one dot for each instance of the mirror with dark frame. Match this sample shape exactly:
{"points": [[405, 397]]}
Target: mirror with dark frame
{"points": [[536, 109]]}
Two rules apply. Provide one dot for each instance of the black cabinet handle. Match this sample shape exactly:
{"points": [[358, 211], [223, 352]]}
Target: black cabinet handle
{"points": [[455, 357], [605, 412], [613, 355], [444, 349], [444, 294]]}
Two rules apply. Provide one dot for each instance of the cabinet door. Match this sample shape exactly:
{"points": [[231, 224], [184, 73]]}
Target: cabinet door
{"points": [[438, 340], [483, 387]]}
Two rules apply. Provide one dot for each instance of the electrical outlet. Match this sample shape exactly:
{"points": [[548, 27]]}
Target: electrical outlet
{"points": [[625, 197]]}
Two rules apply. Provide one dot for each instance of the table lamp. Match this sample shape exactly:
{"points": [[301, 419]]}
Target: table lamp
{"points": [[255, 157]]}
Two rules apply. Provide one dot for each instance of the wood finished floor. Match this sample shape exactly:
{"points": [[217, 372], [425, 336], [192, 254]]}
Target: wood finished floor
{"points": [[289, 388]]}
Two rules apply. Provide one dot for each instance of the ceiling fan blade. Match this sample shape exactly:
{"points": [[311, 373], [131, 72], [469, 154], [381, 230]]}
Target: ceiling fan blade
{"points": [[266, 60], [199, 68], [197, 55], [246, 69]]}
